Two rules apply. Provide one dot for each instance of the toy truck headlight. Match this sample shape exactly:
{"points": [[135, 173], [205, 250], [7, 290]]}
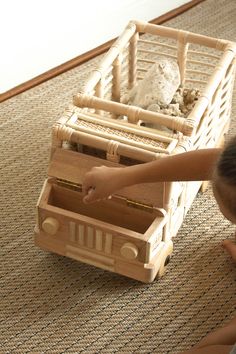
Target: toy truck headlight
{"points": [[50, 226], [129, 251]]}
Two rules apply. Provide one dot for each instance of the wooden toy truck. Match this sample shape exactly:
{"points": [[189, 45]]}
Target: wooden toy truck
{"points": [[131, 233]]}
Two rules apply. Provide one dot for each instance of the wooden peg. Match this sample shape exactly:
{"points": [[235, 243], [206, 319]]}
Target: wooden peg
{"points": [[129, 251], [50, 226]]}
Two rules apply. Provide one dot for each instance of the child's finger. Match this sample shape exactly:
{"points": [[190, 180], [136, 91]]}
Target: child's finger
{"points": [[86, 186], [90, 196], [230, 248]]}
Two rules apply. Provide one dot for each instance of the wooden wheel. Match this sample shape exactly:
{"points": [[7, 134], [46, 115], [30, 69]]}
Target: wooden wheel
{"points": [[166, 255]]}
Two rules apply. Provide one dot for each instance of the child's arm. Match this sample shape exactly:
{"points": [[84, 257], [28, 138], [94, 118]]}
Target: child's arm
{"points": [[197, 165]]}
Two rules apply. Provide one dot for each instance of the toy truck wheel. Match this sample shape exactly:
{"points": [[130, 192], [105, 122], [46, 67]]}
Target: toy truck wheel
{"points": [[166, 255]]}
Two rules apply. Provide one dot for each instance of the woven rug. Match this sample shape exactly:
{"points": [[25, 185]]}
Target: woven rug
{"points": [[51, 304]]}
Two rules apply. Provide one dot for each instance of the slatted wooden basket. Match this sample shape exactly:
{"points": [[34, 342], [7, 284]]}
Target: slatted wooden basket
{"points": [[205, 63], [131, 234]]}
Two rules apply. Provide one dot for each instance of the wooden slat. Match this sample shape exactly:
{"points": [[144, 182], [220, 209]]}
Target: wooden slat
{"points": [[152, 52], [157, 44]]}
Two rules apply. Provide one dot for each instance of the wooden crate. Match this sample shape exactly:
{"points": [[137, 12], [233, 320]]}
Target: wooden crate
{"points": [[205, 63], [131, 234]]}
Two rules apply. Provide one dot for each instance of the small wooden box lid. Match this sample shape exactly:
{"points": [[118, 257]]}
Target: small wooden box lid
{"points": [[72, 166]]}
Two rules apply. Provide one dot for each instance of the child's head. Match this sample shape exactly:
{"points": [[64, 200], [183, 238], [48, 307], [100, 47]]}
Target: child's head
{"points": [[224, 181]]}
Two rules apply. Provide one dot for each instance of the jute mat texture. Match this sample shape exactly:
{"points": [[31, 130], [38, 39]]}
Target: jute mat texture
{"points": [[51, 304]]}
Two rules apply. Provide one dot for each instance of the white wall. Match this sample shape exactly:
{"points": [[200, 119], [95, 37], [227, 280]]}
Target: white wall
{"points": [[38, 35]]}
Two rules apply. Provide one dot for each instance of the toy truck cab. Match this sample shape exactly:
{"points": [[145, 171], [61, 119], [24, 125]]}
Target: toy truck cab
{"points": [[129, 234]]}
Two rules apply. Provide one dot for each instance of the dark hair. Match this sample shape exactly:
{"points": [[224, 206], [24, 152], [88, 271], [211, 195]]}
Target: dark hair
{"points": [[226, 165]]}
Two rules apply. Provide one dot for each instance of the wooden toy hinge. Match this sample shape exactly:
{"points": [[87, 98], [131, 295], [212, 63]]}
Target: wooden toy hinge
{"points": [[70, 185], [138, 205], [146, 207]]}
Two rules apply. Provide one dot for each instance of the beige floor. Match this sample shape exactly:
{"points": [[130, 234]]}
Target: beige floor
{"points": [[50, 304]]}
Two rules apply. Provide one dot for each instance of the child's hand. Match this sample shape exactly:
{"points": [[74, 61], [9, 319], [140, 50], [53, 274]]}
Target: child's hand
{"points": [[101, 182], [230, 247]]}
